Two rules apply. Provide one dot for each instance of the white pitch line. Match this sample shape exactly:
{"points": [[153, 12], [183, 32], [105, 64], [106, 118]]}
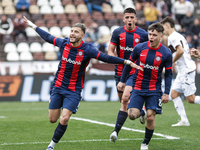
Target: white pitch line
{"points": [[98, 140], [76, 141], [125, 128], [2, 117]]}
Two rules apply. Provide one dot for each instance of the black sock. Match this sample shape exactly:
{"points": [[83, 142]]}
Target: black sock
{"points": [[121, 118], [148, 135], [60, 130], [142, 113]]}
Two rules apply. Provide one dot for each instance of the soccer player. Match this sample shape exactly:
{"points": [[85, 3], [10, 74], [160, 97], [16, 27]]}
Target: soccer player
{"points": [[123, 41], [68, 82], [152, 56], [185, 79]]}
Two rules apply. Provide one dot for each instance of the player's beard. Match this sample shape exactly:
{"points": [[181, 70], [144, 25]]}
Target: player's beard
{"points": [[76, 40]]}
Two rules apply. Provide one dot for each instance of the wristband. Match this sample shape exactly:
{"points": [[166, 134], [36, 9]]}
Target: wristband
{"points": [[128, 62], [32, 25]]}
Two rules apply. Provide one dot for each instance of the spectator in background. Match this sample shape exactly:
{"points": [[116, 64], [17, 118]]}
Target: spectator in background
{"points": [[6, 26], [92, 32], [162, 8], [151, 13], [195, 31], [19, 26], [188, 21], [96, 5], [140, 16], [189, 40], [22, 5], [180, 8]]}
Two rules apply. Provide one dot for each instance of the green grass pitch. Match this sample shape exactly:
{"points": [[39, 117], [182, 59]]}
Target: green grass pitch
{"points": [[25, 126]]}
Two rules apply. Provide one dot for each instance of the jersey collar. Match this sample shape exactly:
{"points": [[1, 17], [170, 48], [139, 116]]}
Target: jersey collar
{"points": [[154, 48], [131, 30], [77, 46]]}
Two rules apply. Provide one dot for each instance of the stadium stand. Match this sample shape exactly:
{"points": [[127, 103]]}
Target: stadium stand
{"points": [[57, 17], [25, 56], [23, 47], [35, 47], [12, 56], [34, 9]]}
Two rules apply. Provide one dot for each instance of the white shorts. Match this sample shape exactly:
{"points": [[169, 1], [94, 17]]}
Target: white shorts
{"points": [[185, 84]]}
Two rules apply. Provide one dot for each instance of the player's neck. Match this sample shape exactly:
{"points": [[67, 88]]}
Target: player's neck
{"points": [[171, 30], [76, 44], [130, 29]]}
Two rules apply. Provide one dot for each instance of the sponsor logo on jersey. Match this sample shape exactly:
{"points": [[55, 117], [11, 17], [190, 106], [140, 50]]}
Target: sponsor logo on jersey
{"points": [[71, 61], [126, 48], [149, 66]]}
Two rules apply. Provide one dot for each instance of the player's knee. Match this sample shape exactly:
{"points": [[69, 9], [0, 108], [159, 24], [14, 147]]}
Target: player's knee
{"points": [[173, 96], [132, 116], [190, 100], [52, 120], [150, 118], [125, 102], [64, 120]]}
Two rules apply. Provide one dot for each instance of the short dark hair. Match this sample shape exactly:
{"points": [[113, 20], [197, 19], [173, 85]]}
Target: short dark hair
{"points": [[169, 20], [129, 10], [80, 25], [156, 26]]}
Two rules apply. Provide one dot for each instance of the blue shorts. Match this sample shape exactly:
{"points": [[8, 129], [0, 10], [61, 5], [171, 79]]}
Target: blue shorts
{"points": [[151, 101], [65, 99], [129, 81]]}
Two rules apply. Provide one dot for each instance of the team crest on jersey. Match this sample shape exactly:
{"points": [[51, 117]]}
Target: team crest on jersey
{"points": [[80, 53], [158, 58], [137, 40]]}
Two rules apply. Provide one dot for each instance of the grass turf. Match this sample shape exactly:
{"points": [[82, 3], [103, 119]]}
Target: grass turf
{"points": [[26, 127]]}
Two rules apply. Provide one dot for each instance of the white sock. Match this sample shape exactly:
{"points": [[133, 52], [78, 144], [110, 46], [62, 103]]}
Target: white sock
{"points": [[197, 100], [52, 144], [178, 104]]}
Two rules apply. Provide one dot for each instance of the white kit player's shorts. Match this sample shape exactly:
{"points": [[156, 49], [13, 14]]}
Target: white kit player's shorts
{"points": [[185, 83]]}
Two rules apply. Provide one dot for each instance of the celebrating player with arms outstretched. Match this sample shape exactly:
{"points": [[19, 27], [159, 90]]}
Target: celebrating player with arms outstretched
{"points": [[68, 82], [152, 56]]}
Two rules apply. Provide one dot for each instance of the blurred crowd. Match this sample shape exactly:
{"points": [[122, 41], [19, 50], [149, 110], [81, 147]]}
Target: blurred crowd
{"points": [[148, 12]]}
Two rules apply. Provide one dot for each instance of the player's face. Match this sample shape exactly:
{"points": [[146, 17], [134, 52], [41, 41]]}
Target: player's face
{"points": [[76, 35], [129, 21], [154, 38]]}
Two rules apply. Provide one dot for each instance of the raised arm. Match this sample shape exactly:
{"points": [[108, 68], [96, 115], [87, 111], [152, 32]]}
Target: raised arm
{"points": [[43, 34]]}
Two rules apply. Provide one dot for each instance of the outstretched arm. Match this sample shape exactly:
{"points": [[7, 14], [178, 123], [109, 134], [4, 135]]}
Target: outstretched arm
{"points": [[29, 23], [43, 34]]}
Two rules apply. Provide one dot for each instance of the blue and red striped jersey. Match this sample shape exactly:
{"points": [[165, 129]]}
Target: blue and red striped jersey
{"points": [[71, 69], [125, 41], [152, 60]]}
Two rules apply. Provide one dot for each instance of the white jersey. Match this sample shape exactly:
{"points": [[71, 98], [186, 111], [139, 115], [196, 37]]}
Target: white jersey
{"points": [[184, 64]]}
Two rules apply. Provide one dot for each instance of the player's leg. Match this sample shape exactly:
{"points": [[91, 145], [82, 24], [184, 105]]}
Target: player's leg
{"points": [[154, 106], [70, 105], [149, 129], [179, 106], [122, 114], [135, 106], [177, 88], [190, 89], [61, 128]]}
